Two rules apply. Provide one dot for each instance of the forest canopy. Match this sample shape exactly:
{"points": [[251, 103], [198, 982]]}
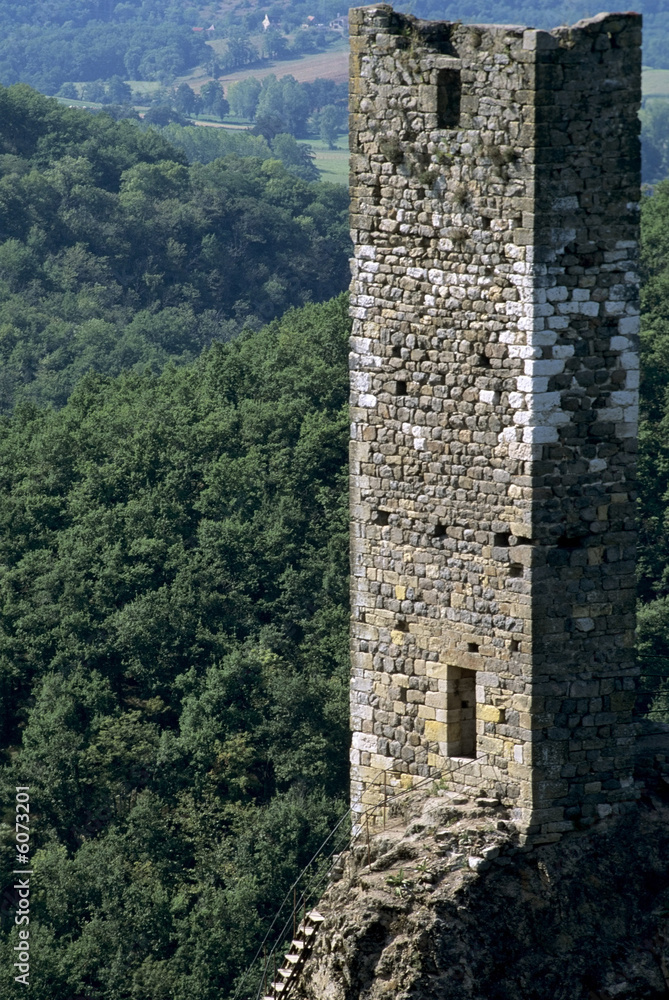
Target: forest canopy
{"points": [[174, 656], [47, 43], [115, 253], [179, 573]]}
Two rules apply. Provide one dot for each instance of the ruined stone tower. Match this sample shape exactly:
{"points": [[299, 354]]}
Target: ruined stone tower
{"points": [[495, 201]]}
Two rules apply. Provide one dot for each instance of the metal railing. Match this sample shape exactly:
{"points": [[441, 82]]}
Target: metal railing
{"points": [[312, 881]]}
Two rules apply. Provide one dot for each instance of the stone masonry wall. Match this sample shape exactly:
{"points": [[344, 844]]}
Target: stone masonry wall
{"points": [[495, 196]]}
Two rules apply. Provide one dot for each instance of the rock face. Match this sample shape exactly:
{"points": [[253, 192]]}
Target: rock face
{"points": [[495, 195], [444, 906]]}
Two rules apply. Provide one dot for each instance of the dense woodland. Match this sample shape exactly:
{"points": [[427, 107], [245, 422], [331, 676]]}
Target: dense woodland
{"points": [[173, 528], [116, 253], [173, 541], [47, 43], [173, 648]]}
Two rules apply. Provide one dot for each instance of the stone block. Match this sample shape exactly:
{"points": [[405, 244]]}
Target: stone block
{"points": [[435, 731], [489, 713]]}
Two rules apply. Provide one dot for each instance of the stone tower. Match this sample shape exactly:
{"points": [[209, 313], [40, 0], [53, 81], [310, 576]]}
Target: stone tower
{"points": [[495, 206]]}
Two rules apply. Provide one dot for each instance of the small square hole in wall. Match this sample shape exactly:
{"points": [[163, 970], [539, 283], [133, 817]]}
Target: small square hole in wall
{"points": [[439, 531], [515, 570], [449, 90], [514, 646], [569, 542], [400, 388], [382, 517], [472, 647]]}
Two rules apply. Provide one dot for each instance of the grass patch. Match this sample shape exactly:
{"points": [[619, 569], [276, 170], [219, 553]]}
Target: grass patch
{"points": [[332, 163]]}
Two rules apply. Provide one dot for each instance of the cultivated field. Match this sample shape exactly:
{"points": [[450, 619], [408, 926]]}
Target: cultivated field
{"points": [[330, 65]]}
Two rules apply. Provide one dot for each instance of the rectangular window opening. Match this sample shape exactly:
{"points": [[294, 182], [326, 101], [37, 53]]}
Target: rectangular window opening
{"points": [[461, 712], [449, 91]]}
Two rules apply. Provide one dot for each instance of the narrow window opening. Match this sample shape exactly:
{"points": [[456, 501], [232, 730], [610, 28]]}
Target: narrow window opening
{"points": [[449, 90], [400, 388], [514, 646], [460, 729]]}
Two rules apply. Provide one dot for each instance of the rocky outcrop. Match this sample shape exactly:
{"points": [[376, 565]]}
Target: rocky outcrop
{"points": [[443, 905]]}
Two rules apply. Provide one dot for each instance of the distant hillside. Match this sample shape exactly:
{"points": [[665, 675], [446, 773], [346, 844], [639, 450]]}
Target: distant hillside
{"points": [[48, 43], [114, 253]]}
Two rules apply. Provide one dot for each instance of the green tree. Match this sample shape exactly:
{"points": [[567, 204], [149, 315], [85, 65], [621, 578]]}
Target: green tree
{"points": [[203, 145], [94, 91], [114, 254], [298, 159], [118, 92], [330, 124], [284, 100], [213, 101], [186, 101], [243, 97], [274, 44], [239, 51], [173, 585], [163, 114], [68, 90]]}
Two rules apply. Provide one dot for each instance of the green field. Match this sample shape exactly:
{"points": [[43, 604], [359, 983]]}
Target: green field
{"points": [[332, 163]]}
